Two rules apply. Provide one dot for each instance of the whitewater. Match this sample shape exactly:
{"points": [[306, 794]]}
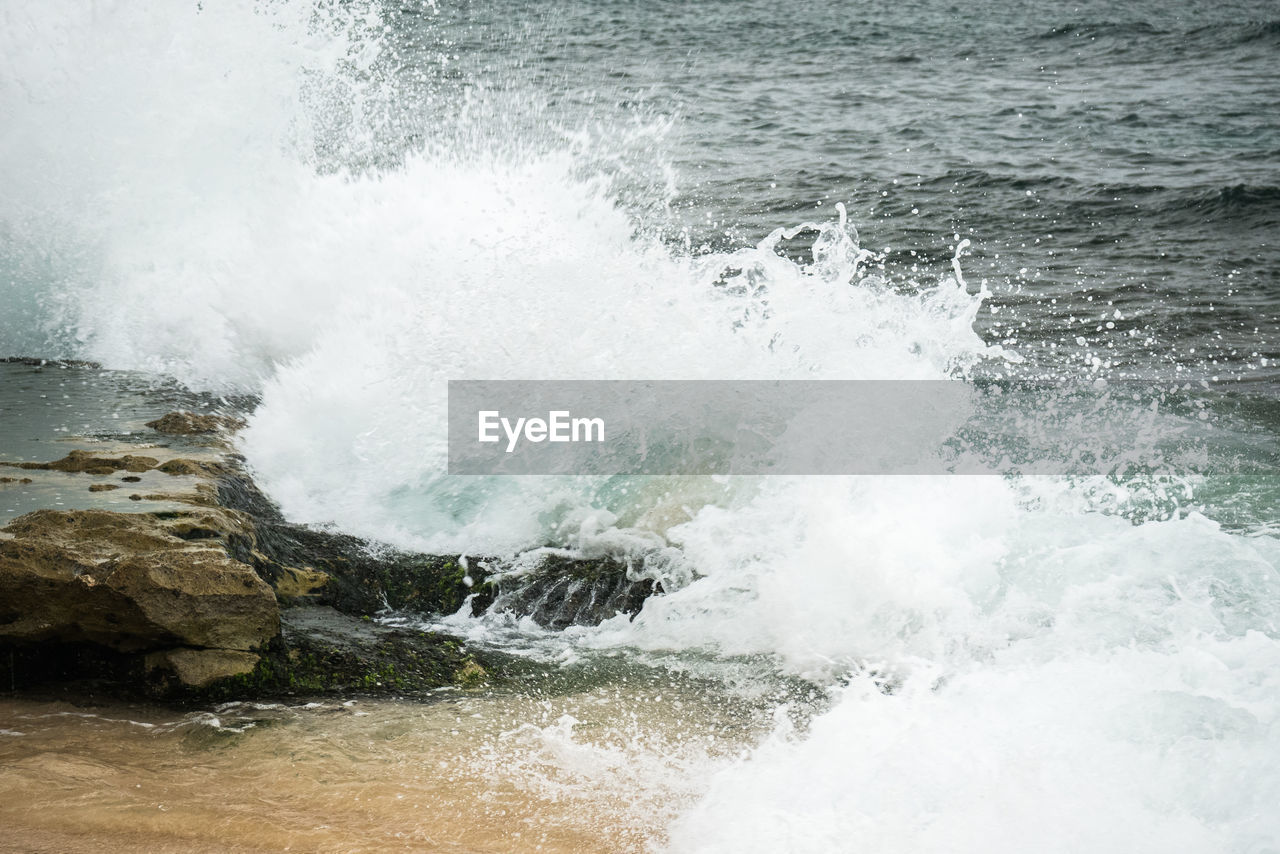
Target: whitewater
{"points": [[298, 203]]}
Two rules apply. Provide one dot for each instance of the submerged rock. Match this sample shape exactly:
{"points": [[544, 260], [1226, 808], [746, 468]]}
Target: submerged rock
{"points": [[50, 363], [189, 467], [189, 423], [330, 652], [87, 463]]}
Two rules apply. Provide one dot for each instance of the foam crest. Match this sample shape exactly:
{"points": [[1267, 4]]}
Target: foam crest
{"points": [[149, 154], [252, 224], [500, 271], [1010, 674]]}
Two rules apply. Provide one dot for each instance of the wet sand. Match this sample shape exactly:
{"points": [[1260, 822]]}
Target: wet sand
{"points": [[601, 770]]}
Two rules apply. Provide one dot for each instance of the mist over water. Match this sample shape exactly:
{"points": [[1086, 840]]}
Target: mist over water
{"points": [[339, 207]]}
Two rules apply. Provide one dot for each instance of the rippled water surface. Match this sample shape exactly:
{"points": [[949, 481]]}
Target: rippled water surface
{"points": [[602, 769]]}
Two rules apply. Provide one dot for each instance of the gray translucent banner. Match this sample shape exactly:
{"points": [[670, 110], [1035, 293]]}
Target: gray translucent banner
{"points": [[587, 427]]}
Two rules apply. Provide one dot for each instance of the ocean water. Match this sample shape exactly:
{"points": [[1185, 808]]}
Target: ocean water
{"points": [[337, 207]]}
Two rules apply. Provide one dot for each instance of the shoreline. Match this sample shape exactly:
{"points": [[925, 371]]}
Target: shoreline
{"points": [[357, 734], [199, 590]]}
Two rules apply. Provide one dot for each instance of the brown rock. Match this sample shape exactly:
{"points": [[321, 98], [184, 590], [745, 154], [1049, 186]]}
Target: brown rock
{"points": [[300, 582], [197, 668], [103, 487], [131, 582], [85, 461], [189, 467], [189, 423]]}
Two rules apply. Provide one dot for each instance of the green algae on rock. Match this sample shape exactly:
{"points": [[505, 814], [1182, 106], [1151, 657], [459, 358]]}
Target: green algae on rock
{"points": [[85, 462], [189, 423]]}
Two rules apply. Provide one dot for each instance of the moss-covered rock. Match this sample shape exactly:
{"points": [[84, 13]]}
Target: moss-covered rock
{"points": [[88, 463], [556, 588], [181, 466], [320, 652], [361, 578], [189, 423], [323, 652]]}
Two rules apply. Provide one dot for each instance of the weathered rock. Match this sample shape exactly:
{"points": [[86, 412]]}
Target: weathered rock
{"points": [[324, 652], [158, 603], [329, 651], [130, 582], [189, 423], [50, 363], [86, 462], [557, 590], [295, 583], [199, 668], [360, 580], [189, 467], [103, 487], [562, 590], [185, 604]]}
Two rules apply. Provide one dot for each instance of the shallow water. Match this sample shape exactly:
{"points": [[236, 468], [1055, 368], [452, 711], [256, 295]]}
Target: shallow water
{"points": [[48, 411], [602, 768]]}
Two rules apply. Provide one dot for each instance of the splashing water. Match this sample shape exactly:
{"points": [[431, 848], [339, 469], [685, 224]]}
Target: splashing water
{"points": [[229, 194]]}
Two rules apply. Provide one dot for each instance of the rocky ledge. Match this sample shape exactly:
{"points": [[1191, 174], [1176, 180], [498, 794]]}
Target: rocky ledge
{"points": [[223, 598]]}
